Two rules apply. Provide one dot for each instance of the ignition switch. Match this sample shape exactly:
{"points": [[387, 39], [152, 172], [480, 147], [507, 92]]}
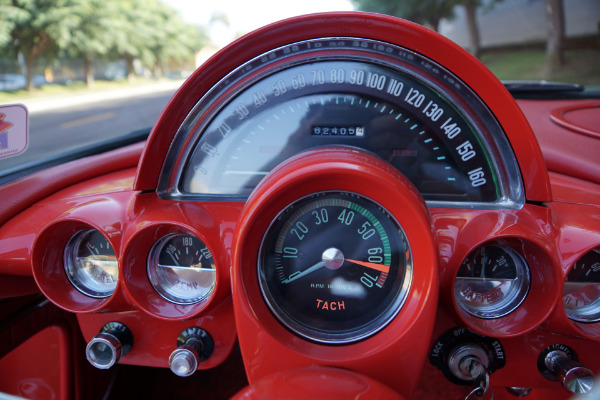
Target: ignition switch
{"points": [[194, 345], [107, 347], [559, 363], [467, 358]]}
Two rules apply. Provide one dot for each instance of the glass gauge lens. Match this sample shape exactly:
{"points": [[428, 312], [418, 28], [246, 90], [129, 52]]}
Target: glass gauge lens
{"points": [[334, 267], [492, 282], [91, 264], [181, 269], [581, 291], [362, 93]]}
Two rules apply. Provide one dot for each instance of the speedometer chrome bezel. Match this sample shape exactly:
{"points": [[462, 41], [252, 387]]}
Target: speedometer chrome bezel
{"points": [[511, 193]]}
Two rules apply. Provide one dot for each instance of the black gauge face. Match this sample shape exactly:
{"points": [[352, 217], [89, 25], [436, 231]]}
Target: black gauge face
{"points": [[334, 267], [181, 269], [91, 264], [581, 290], [492, 281], [384, 99]]}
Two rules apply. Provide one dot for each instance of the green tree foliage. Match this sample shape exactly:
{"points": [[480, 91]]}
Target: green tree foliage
{"points": [[144, 30], [38, 27], [431, 12], [425, 12]]}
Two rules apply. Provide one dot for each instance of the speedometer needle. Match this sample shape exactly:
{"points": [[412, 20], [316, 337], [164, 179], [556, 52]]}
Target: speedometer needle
{"points": [[377, 267]]}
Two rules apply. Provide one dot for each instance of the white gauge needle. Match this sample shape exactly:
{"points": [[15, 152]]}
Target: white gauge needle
{"points": [[307, 271], [187, 268]]}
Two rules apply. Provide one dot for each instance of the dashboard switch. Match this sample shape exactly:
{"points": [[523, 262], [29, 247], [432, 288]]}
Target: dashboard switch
{"points": [[559, 363], [107, 347], [194, 345]]}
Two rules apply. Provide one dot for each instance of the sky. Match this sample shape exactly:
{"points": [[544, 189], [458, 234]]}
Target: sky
{"points": [[247, 15]]}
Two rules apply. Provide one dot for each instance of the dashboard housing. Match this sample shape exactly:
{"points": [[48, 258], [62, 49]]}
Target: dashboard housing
{"points": [[116, 194]]}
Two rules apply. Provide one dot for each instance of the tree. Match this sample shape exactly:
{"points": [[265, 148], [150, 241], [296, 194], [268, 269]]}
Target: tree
{"points": [[11, 14], [92, 31], [39, 25], [555, 25], [426, 12], [176, 41]]}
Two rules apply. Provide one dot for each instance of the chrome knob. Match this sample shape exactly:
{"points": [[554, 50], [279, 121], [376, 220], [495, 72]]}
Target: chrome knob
{"points": [[194, 345], [107, 347], [183, 361], [574, 377]]}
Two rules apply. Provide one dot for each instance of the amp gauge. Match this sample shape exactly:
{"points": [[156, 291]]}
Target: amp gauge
{"points": [[492, 282], [181, 269], [581, 291]]}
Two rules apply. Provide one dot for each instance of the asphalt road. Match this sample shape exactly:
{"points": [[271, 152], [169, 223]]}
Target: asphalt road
{"points": [[56, 128]]}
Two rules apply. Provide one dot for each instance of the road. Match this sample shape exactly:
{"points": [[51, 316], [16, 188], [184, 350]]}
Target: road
{"points": [[60, 126]]}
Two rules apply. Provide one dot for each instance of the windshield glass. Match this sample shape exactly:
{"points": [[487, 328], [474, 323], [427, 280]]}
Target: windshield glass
{"points": [[95, 71]]}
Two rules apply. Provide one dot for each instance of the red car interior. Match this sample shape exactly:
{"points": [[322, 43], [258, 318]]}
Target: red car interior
{"points": [[247, 347]]}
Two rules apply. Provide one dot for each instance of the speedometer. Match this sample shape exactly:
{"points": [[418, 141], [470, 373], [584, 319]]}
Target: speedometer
{"points": [[379, 97]]}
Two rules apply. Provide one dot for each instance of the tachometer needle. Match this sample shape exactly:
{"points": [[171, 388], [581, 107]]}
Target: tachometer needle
{"points": [[307, 271], [377, 267]]}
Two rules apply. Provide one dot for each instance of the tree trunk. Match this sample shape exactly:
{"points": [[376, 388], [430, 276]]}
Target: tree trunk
{"points": [[555, 24], [29, 61], [88, 70], [130, 68], [471, 9]]}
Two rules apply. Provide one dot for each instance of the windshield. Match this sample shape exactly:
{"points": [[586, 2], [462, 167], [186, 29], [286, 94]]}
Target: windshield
{"points": [[97, 73]]}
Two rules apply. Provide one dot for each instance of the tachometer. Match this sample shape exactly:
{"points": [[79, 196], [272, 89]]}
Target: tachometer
{"points": [[334, 267], [379, 97]]}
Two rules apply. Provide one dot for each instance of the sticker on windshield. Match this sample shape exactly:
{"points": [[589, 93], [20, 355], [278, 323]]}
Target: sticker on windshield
{"points": [[14, 130]]}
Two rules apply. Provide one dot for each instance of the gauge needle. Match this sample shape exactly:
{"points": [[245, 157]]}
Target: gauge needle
{"points": [[307, 271], [188, 268], [378, 267]]}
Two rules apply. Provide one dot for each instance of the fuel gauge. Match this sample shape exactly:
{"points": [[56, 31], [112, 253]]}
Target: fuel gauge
{"points": [[581, 291], [492, 281], [91, 264], [181, 269]]}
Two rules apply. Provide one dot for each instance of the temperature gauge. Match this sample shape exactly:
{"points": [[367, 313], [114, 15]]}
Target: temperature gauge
{"points": [[492, 282], [181, 269], [581, 291]]}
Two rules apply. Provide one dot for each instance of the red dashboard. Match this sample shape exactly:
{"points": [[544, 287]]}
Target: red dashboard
{"points": [[349, 202]]}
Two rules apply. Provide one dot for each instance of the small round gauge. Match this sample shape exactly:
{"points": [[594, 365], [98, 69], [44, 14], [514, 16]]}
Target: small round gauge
{"points": [[334, 267], [492, 282], [181, 269], [91, 264], [581, 291]]}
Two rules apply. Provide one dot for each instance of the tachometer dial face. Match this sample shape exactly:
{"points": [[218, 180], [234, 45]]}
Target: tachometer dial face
{"points": [[91, 264], [334, 267], [181, 269], [362, 93], [492, 281], [581, 290]]}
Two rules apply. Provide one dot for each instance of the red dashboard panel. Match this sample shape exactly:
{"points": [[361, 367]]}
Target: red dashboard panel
{"points": [[557, 224]]}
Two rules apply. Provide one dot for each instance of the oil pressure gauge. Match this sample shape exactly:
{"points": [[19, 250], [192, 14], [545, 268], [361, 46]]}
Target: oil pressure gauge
{"points": [[181, 269], [581, 291], [492, 281]]}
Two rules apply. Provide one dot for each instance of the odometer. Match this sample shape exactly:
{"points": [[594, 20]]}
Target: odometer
{"points": [[334, 267], [387, 100]]}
